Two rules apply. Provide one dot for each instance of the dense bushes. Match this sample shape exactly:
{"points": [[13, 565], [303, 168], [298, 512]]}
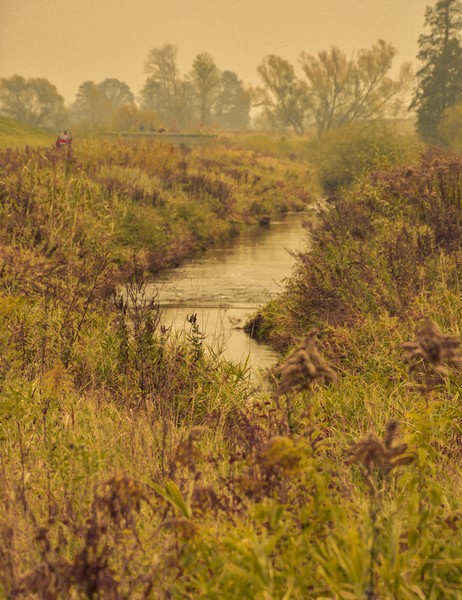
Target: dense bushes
{"points": [[341, 156], [377, 247]]}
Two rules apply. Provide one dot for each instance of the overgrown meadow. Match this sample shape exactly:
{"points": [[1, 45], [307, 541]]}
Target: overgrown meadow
{"points": [[138, 464]]}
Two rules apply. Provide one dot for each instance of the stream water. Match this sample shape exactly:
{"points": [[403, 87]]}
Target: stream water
{"points": [[229, 282]]}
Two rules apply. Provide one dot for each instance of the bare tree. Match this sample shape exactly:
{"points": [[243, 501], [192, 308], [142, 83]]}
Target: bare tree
{"points": [[283, 96], [346, 90], [160, 91]]}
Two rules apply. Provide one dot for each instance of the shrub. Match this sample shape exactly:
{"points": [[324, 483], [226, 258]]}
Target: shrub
{"points": [[450, 127], [377, 248], [341, 156]]}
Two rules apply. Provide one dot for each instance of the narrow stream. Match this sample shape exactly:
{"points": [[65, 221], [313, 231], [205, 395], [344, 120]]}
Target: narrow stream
{"points": [[230, 281]]}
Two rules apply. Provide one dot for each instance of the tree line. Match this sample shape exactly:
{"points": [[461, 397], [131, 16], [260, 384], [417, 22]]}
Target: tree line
{"points": [[205, 96], [333, 90]]}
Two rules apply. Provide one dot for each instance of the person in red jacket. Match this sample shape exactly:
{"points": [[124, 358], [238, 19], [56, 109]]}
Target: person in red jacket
{"points": [[64, 139]]}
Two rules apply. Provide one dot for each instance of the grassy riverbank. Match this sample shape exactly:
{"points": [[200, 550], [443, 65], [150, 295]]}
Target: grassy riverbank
{"points": [[14, 134], [136, 464], [155, 200]]}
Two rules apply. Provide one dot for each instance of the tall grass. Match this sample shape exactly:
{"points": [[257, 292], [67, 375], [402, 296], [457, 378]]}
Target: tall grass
{"points": [[379, 247], [158, 200], [135, 463]]}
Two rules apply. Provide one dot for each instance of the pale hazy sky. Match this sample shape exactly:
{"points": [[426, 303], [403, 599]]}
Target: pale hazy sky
{"points": [[69, 42]]}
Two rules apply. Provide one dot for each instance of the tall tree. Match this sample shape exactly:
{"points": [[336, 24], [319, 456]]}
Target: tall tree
{"points": [[440, 77], [117, 93], [152, 97], [346, 90], [34, 101], [330, 75], [206, 77], [161, 89], [97, 104], [91, 105], [185, 101], [232, 106], [283, 96]]}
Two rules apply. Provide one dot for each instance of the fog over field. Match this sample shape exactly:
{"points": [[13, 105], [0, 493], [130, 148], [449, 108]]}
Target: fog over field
{"points": [[69, 42]]}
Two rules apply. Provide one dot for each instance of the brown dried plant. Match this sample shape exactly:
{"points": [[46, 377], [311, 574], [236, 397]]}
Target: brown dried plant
{"points": [[302, 367], [186, 453], [121, 498], [378, 455], [268, 472], [431, 354], [278, 457], [108, 537]]}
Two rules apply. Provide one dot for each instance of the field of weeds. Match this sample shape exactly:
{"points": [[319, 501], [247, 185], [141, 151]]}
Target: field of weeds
{"points": [[136, 464], [158, 201]]}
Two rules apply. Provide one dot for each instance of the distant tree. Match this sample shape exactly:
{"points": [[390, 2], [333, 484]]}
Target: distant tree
{"points": [[97, 104], [206, 78], [346, 90], [91, 105], [232, 106], [283, 96], [175, 112], [34, 101], [440, 77], [152, 97], [117, 94], [161, 89], [126, 117], [185, 105]]}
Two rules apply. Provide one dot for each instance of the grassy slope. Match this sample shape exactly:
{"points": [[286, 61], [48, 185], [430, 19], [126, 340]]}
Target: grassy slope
{"points": [[162, 201], [14, 134]]}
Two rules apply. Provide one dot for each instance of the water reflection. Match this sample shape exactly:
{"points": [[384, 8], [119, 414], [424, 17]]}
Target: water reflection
{"points": [[229, 282]]}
